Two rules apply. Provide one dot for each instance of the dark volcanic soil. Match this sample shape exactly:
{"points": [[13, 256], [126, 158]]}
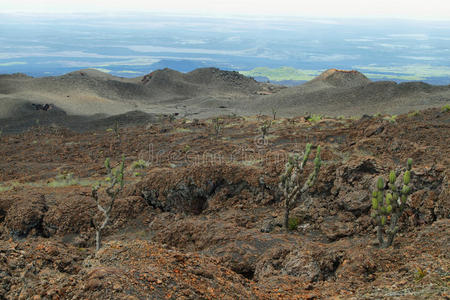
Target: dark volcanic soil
{"points": [[202, 219]]}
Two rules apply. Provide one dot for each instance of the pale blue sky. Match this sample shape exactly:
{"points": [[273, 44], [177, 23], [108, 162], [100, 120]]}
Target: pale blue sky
{"points": [[429, 9]]}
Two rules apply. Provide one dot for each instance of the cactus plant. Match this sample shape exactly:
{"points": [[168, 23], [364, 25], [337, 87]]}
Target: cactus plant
{"points": [[217, 126], [265, 128], [115, 185], [274, 113], [290, 180], [388, 205]]}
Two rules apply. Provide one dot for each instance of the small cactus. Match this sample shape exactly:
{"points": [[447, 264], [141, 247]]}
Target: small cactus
{"points": [[290, 179], [115, 182], [388, 205], [265, 128], [217, 126], [274, 113]]}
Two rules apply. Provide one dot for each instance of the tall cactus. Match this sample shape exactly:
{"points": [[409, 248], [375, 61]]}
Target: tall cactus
{"points": [[290, 180], [115, 185], [388, 205], [265, 128]]}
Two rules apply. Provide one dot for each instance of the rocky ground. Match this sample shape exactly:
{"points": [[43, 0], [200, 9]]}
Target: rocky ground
{"points": [[200, 216]]}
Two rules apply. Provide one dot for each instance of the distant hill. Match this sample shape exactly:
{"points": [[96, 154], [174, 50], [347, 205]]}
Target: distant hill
{"points": [[87, 92], [339, 92], [210, 91], [342, 78]]}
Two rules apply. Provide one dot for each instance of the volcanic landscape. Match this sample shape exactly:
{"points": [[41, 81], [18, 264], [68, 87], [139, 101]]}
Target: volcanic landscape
{"points": [[200, 214]]}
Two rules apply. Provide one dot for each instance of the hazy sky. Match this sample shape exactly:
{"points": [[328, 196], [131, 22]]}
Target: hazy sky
{"points": [[418, 9]]}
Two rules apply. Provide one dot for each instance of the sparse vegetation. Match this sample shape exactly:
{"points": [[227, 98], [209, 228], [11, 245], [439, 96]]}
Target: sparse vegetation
{"points": [[181, 130], [391, 119], [388, 206], [446, 108], [259, 115], [413, 114], [274, 113], [172, 117], [139, 164], [420, 274], [186, 148], [314, 118], [115, 181], [265, 128], [229, 189], [115, 129], [64, 179], [217, 126], [290, 180], [291, 121], [293, 223]]}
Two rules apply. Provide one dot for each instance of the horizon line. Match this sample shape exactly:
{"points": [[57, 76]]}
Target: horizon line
{"points": [[213, 15]]}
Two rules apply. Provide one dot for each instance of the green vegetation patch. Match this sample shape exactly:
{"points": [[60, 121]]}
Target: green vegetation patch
{"points": [[282, 73], [315, 118], [140, 164], [293, 223], [406, 72]]}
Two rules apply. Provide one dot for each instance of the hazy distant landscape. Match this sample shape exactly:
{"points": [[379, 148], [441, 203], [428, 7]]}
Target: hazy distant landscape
{"points": [[286, 50]]}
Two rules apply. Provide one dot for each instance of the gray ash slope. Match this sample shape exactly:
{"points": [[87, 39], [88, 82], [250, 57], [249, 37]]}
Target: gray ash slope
{"points": [[350, 93], [90, 95]]}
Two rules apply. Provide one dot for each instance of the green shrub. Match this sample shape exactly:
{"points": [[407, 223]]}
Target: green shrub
{"points": [[413, 114], [445, 108], [186, 148], [315, 118], [420, 274], [391, 119], [140, 164], [293, 223], [64, 179]]}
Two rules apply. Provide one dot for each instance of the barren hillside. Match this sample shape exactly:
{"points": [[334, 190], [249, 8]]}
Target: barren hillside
{"points": [[207, 92]]}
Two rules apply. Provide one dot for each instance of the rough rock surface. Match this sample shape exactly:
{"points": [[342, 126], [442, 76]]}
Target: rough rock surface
{"points": [[188, 226]]}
